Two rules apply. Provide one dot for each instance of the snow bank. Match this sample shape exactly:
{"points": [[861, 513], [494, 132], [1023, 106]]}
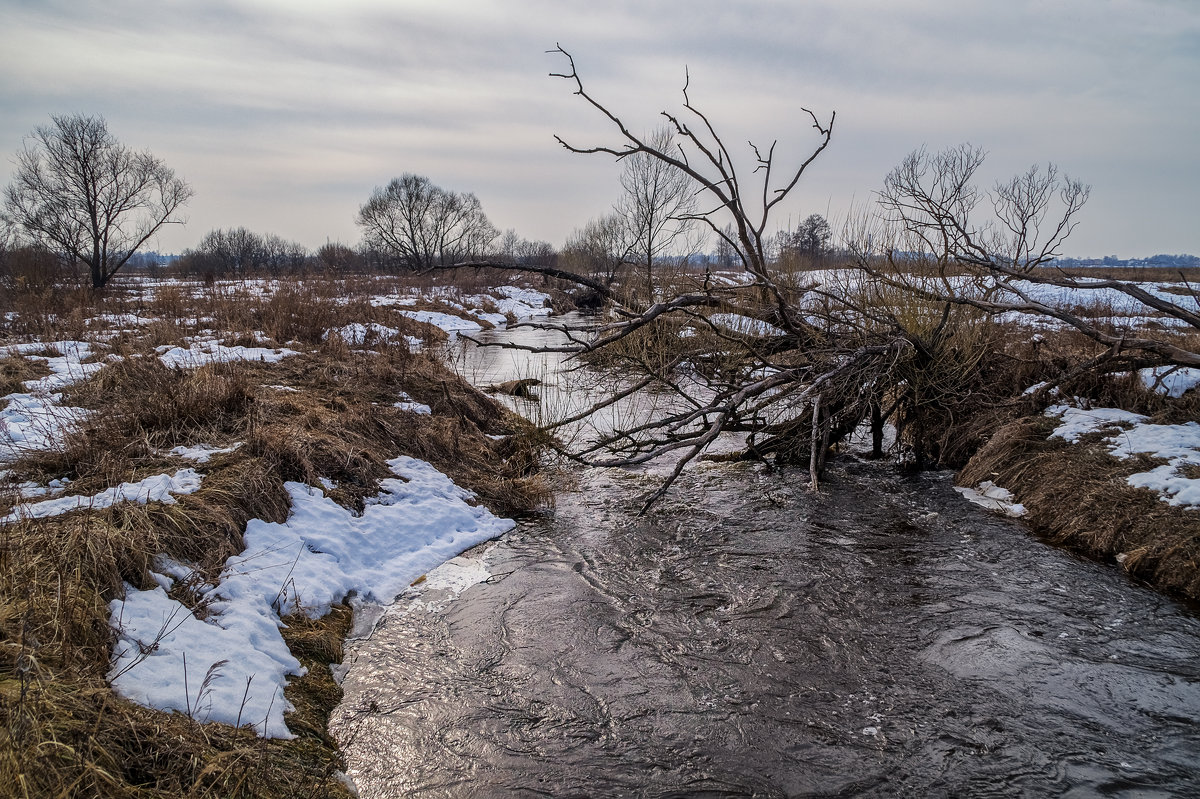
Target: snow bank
{"points": [[1132, 434], [158, 488], [448, 322], [201, 353], [522, 303], [319, 555]]}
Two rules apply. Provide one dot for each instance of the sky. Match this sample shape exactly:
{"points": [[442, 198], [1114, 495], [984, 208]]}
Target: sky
{"points": [[284, 115]]}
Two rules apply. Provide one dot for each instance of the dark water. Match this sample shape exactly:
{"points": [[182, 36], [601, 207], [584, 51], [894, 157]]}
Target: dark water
{"points": [[749, 638]]}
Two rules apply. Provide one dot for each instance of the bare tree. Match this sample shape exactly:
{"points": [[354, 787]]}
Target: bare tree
{"points": [[80, 191], [993, 250], [337, 257], [770, 368], [424, 226], [601, 247], [658, 206], [808, 242]]}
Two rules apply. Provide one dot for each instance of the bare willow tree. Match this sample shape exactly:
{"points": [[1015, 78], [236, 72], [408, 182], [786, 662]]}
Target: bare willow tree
{"points": [[80, 191], [751, 353], [996, 252], [423, 225]]}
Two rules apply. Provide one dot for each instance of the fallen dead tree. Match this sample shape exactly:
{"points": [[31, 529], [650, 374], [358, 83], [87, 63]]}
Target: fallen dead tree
{"points": [[796, 360]]}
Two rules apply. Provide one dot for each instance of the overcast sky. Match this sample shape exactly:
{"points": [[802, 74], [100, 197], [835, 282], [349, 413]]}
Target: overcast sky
{"points": [[285, 114]]}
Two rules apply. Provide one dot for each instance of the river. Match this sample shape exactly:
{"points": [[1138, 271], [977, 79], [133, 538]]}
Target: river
{"points": [[748, 637]]}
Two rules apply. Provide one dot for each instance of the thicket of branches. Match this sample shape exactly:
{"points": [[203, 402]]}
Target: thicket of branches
{"points": [[798, 359]]}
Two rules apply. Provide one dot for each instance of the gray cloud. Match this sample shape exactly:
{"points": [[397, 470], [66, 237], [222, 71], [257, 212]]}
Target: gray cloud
{"points": [[284, 115]]}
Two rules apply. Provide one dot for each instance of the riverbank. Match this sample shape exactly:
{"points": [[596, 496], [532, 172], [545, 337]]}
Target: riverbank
{"points": [[194, 479], [1119, 486], [186, 458]]}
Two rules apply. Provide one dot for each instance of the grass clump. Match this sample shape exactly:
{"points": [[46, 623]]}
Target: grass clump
{"points": [[15, 370]]}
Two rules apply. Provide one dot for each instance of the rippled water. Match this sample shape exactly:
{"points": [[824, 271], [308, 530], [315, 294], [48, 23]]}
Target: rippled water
{"points": [[750, 638]]}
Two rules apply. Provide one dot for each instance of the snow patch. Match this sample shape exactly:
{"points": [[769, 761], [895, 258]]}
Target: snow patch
{"points": [[991, 496], [319, 555], [200, 453], [159, 488], [358, 334], [1178, 444], [407, 403], [447, 322], [202, 353]]}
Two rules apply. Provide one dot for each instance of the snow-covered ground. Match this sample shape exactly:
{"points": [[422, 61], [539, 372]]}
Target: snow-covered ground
{"points": [[35, 419], [1130, 434], [1127, 434], [232, 664]]}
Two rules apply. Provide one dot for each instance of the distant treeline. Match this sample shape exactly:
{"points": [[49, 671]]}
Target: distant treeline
{"points": [[1158, 261]]}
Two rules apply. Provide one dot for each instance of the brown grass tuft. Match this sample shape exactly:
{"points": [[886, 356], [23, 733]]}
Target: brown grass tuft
{"points": [[15, 370]]}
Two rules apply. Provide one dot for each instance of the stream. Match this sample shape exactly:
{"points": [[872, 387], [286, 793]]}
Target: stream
{"points": [[748, 637]]}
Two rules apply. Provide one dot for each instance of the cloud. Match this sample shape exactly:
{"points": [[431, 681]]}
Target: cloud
{"points": [[285, 114]]}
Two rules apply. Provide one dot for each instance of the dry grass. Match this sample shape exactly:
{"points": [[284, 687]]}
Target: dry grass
{"points": [[64, 732], [16, 370], [1077, 495]]}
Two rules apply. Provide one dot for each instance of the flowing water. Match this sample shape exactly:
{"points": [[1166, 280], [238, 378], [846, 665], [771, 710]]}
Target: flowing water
{"points": [[750, 638]]}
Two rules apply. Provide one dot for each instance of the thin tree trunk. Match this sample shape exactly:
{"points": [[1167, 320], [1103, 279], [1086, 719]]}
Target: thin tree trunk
{"points": [[876, 429], [813, 465]]}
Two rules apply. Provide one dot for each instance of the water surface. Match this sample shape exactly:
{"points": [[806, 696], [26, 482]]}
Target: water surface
{"points": [[751, 638]]}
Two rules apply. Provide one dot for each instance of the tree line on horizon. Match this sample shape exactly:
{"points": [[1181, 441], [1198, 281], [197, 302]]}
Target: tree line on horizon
{"points": [[81, 199], [86, 200]]}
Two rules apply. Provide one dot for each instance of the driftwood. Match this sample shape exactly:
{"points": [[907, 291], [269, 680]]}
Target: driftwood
{"points": [[517, 388]]}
